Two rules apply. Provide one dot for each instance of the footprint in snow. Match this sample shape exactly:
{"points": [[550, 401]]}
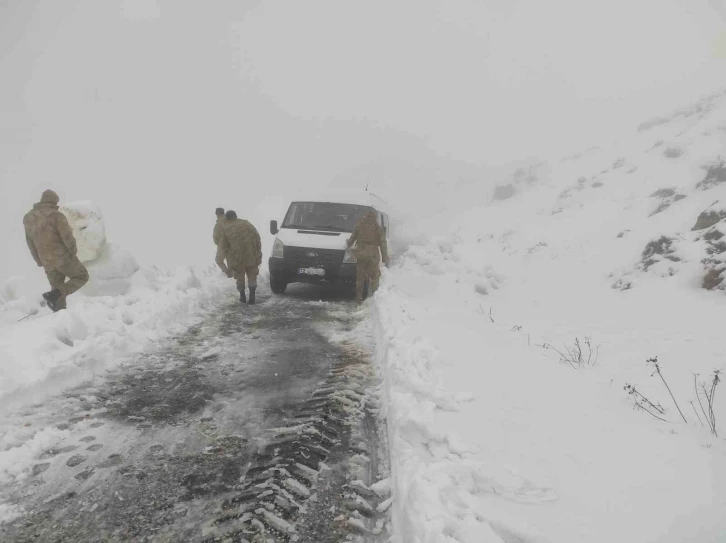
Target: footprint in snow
{"points": [[76, 460], [111, 461], [40, 468], [55, 452], [84, 474]]}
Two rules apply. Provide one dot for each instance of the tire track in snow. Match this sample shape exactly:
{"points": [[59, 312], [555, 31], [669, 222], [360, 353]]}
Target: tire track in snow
{"points": [[249, 427]]}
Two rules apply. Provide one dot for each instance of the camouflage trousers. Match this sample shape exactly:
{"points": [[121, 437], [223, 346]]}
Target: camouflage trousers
{"points": [[251, 272], [367, 269], [76, 273]]}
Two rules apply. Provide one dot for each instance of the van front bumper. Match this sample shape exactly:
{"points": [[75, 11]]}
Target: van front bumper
{"points": [[293, 270]]}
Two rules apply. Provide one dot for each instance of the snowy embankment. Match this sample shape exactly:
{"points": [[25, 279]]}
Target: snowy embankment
{"points": [[121, 310], [494, 436]]}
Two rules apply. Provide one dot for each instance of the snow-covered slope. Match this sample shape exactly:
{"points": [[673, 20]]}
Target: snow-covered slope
{"points": [[495, 436]]}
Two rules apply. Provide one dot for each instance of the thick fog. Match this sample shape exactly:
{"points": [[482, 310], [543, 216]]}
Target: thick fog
{"points": [[160, 111]]}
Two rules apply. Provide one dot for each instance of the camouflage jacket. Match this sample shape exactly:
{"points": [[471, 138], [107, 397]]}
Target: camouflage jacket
{"points": [[49, 236], [240, 244], [369, 237], [218, 229]]}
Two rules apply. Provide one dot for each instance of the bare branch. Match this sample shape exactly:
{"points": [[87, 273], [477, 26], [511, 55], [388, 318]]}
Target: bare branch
{"points": [[696, 412], [698, 397], [642, 408], [575, 356], [630, 389], [654, 362]]}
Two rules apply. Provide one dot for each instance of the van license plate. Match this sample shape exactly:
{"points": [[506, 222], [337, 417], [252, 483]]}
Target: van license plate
{"points": [[311, 271]]}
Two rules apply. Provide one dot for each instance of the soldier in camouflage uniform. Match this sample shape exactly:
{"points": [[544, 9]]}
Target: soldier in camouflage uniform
{"points": [[241, 246], [370, 248], [52, 245], [217, 234]]}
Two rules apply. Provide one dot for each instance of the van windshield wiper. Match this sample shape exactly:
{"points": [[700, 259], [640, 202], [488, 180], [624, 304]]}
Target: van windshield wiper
{"points": [[316, 227], [327, 227]]}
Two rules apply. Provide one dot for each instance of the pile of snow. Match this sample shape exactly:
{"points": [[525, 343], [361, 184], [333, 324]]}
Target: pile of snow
{"points": [[111, 273], [21, 445], [110, 267], [494, 437], [86, 221], [9, 512], [42, 352]]}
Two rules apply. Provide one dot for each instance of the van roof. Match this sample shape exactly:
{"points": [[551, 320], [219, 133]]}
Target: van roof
{"points": [[342, 196]]}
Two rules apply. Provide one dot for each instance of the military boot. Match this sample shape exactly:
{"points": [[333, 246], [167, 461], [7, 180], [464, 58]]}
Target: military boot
{"points": [[242, 297], [52, 298], [252, 295]]}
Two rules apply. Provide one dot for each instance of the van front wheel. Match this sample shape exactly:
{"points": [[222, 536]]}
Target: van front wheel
{"points": [[276, 285]]}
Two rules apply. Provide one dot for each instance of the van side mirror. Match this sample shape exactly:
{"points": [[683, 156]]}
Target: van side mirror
{"points": [[273, 228]]}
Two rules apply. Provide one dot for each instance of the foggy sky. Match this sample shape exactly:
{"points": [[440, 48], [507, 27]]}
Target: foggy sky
{"points": [[160, 111]]}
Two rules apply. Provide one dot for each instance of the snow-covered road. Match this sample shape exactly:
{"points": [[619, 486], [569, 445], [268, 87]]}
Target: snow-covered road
{"points": [[250, 426]]}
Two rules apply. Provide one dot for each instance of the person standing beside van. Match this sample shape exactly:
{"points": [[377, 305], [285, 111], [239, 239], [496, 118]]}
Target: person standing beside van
{"points": [[370, 248], [240, 244]]}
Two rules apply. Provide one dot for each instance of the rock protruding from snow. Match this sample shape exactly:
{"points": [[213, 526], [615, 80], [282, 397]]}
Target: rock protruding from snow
{"points": [[715, 175], [86, 221], [709, 218], [656, 251], [667, 197], [523, 177]]}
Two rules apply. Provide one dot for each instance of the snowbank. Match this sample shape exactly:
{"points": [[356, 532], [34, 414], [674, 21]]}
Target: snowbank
{"points": [[43, 353], [111, 268], [9, 512], [56, 350], [111, 274], [86, 221], [493, 436], [120, 310]]}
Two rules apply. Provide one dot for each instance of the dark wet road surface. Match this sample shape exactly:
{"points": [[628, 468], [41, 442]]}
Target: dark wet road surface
{"points": [[252, 426]]}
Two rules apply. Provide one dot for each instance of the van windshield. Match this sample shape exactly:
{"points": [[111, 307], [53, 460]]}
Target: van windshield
{"points": [[324, 216]]}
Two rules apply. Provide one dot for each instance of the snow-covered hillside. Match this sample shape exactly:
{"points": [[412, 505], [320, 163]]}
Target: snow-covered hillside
{"points": [[495, 435]]}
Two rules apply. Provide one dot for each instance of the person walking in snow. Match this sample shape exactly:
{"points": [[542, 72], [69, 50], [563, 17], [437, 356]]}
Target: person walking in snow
{"points": [[217, 233], [370, 248], [53, 247], [241, 246]]}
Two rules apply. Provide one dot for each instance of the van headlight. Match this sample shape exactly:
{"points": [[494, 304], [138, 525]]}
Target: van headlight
{"points": [[349, 257], [278, 249]]}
